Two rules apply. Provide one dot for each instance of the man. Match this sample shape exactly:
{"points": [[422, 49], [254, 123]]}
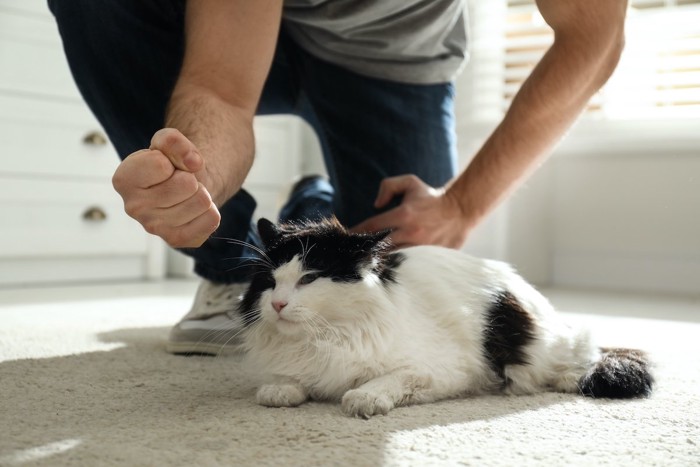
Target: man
{"points": [[374, 80]]}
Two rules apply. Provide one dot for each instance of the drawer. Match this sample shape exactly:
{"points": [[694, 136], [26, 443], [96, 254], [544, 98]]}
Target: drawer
{"points": [[48, 137], [48, 218], [31, 54], [31, 7], [277, 140]]}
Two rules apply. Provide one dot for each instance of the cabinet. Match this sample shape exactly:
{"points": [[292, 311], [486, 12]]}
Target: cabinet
{"points": [[60, 219]]}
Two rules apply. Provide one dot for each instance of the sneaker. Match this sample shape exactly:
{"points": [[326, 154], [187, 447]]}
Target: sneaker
{"points": [[212, 327]]}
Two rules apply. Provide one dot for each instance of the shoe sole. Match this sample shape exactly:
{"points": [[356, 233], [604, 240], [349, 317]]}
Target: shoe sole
{"points": [[201, 348]]}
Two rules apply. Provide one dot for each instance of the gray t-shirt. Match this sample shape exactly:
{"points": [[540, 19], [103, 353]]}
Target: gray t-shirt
{"points": [[410, 41]]}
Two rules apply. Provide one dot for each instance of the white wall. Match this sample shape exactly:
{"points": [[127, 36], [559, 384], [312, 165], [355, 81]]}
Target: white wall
{"points": [[606, 214], [617, 206], [612, 221]]}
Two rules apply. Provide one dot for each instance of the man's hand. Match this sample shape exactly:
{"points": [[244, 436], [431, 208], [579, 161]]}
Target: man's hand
{"points": [[426, 215], [162, 189]]}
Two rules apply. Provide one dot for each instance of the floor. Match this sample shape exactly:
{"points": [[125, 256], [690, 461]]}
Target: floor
{"points": [[622, 304], [85, 381], [171, 299], [71, 292]]}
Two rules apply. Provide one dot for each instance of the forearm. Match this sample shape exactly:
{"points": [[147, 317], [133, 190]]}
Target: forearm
{"points": [[222, 132], [229, 49], [550, 100]]}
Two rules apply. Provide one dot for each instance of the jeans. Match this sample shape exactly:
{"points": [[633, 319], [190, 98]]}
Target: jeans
{"points": [[125, 57]]}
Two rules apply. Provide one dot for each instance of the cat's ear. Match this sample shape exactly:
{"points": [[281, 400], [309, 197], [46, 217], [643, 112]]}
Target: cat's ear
{"points": [[382, 235], [268, 231], [375, 241]]}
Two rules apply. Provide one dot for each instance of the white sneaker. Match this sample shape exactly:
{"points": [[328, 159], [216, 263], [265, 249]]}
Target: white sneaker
{"points": [[212, 327]]}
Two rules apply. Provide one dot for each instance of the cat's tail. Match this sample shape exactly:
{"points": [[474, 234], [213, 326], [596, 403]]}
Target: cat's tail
{"points": [[619, 374]]}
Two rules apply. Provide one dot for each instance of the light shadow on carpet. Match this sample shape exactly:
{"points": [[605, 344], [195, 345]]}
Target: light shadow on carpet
{"points": [[138, 405]]}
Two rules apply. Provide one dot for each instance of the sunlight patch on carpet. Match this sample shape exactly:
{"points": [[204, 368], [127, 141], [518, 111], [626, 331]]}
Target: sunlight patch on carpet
{"points": [[36, 453], [45, 330]]}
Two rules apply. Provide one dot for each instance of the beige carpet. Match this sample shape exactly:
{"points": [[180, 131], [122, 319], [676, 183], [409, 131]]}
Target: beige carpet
{"points": [[84, 381]]}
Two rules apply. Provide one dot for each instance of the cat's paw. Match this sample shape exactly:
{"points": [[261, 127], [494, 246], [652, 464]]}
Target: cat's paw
{"points": [[363, 404], [280, 395]]}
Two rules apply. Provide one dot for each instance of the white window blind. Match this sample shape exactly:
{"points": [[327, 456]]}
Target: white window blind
{"points": [[659, 72]]}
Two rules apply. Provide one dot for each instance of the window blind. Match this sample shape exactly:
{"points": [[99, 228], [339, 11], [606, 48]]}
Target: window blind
{"points": [[659, 72]]}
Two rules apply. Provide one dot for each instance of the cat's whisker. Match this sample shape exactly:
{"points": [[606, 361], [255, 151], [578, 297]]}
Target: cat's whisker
{"points": [[327, 327], [228, 342], [304, 251], [321, 339], [249, 259], [333, 339], [234, 336], [257, 249], [211, 335], [309, 250], [243, 266], [313, 330]]}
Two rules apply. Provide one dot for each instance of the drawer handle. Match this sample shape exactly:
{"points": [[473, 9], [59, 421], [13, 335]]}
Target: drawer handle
{"points": [[95, 138], [94, 214]]}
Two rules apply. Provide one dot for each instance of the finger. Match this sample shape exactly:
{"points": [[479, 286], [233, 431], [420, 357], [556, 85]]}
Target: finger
{"points": [[196, 232], [385, 221], [399, 239], [176, 189], [188, 210], [176, 147], [142, 169], [393, 186], [160, 220], [190, 234]]}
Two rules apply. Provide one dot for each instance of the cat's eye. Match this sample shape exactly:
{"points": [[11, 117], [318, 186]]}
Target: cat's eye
{"points": [[308, 278]]}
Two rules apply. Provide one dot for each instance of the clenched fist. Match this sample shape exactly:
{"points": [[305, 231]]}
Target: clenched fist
{"points": [[162, 189]]}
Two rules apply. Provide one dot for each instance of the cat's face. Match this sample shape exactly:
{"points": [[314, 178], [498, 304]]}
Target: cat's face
{"points": [[313, 276], [299, 299]]}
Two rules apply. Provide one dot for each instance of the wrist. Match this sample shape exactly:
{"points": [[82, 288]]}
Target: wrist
{"points": [[222, 133], [469, 216]]}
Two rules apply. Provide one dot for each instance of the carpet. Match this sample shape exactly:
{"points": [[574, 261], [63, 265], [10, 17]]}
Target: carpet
{"points": [[85, 381]]}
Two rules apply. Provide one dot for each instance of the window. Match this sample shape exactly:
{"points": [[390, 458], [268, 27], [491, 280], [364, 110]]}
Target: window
{"points": [[658, 75]]}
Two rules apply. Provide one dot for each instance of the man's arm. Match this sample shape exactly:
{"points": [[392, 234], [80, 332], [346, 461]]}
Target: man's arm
{"points": [[174, 188], [588, 40]]}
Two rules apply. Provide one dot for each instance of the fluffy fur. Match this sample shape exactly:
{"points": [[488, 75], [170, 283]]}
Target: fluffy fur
{"points": [[337, 316]]}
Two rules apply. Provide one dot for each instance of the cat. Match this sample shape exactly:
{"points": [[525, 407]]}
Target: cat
{"points": [[340, 316]]}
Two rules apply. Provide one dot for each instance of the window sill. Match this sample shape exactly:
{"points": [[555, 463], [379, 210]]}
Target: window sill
{"points": [[591, 137]]}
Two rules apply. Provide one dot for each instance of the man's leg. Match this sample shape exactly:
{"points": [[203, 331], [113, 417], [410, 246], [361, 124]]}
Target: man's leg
{"points": [[311, 197], [371, 129], [125, 57]]}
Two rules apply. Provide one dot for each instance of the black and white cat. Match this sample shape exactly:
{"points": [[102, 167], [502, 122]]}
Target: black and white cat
{"points": [[332, 315]]}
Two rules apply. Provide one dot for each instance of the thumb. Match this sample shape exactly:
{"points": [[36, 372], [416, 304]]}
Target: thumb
{"points": [[181, 152], [393, 186]]}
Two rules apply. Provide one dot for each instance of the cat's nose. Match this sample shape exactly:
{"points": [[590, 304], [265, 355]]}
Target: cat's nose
{"points": [[278, 305]]}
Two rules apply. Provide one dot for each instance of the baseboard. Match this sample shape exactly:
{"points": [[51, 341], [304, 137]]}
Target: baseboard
{"points": [[635, 274]]}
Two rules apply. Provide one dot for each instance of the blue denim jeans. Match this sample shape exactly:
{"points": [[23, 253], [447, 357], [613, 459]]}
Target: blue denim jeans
{"points": [[125, 56]]}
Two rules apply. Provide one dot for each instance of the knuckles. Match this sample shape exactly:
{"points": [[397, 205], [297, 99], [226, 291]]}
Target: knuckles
{"points": [[201, 200], [183, 182], [191, 236], [170, 141]]}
